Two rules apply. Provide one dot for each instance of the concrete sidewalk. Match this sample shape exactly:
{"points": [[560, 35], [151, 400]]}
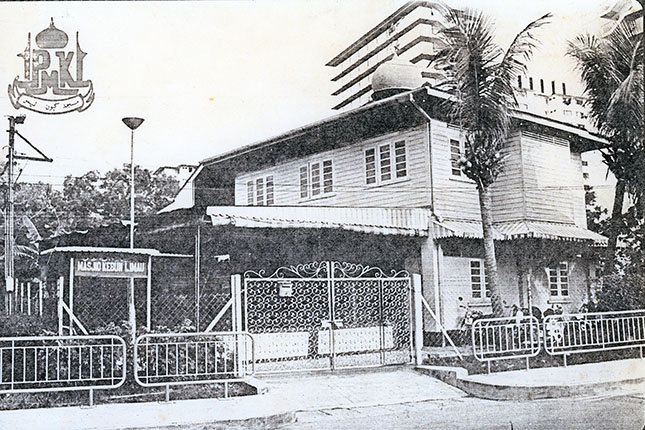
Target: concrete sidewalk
{"points": [[248, 412], [367, 387], [287, 394], [549, 382]]}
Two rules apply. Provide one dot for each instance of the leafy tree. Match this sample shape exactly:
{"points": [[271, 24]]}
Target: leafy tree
{"points": [[85, 202], [480, 75], [596, 214], [612, 71]]}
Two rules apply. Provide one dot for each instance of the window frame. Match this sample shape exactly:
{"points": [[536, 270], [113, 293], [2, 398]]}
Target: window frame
{"points": [[455, 170], [558, 281], [321, 170], [395, 154], [258, 191], [481, 288]]}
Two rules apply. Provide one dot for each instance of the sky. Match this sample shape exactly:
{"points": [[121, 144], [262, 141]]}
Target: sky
{"points": [[209, 77]]}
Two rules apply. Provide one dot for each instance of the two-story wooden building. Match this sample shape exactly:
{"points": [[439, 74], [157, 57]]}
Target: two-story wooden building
{"points": [[380, 185]]}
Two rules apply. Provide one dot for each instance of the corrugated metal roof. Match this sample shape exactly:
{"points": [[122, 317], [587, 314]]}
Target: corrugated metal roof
{"points": [[518, 230], [396, 221], [390, 221]]}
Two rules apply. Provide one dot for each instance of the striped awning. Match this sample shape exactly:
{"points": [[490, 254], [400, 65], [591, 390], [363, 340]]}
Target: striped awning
{"points": [[518, 230], [390, 221], [387, 221]]}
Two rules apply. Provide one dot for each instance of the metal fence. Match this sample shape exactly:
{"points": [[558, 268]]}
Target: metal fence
{"points": [[26, 298], [505, 338], [589, 332], [61, 363], [168, 359], [513, 337]]}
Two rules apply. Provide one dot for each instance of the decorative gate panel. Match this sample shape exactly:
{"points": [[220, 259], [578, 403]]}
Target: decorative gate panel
{"points": [[328, 315]]}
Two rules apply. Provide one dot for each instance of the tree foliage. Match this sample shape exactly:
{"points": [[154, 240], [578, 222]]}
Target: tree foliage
{"points": [[612, 71], [83, 202]]}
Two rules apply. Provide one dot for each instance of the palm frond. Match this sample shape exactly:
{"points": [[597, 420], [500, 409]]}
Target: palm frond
{"points": [[481, 75], [521, 49]]}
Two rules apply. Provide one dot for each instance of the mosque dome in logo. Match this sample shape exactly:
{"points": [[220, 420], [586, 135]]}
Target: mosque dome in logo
{"points": [[51, 38]]}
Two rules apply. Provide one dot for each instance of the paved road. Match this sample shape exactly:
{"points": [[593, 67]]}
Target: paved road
{"points": [[615, 412]]}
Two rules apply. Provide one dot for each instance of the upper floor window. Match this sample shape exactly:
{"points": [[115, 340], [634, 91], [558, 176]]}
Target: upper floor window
{"points": [[478, 280], [385, 163], [456, 152], [316, 179], [559, 280], [260, 192]]}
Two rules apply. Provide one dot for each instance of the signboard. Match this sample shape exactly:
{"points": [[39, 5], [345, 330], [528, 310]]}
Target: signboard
{"points": [[111, 267]]}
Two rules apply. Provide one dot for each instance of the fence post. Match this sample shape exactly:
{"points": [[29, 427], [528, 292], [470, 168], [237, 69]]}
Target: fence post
{"points": [[59, 293], [418, 319], [28, 298], [22, 297], [236, 295], [40, 298]]}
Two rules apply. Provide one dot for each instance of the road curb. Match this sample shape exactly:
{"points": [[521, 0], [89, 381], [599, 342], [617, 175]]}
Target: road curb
{"points": [[458, 377], [254, 423]]}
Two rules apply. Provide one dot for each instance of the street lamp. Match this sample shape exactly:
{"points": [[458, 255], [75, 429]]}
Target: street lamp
{"points": [[133, 123]]}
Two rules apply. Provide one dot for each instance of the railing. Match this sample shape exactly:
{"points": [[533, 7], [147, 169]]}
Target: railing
{"points": [[590, 332], [162, 360], [61, 363], [26, 298], [505, 338]]}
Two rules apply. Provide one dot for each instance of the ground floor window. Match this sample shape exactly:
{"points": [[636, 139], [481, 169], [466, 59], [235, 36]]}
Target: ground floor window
{"points": [[559, 280], [478, 279]]}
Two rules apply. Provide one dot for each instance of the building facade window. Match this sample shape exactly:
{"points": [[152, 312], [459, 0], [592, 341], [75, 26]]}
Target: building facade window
{"points": [[478, 280], [316, 179], [260, 192], [559, 280], [456, 152], [386, 163]]}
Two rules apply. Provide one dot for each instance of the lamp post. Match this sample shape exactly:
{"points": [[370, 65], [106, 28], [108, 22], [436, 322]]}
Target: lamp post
{"points": [[133, 123]]}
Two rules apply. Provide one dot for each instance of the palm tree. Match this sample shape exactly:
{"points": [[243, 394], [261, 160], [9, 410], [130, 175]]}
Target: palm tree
{"points": [[612, 71], [480, 74]]}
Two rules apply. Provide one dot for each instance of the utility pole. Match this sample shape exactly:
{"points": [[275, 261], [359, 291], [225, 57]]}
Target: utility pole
{"points": [[9, 212], [9, 225]]}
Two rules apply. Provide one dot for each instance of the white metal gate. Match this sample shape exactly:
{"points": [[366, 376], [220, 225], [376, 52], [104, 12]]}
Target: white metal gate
{"points": [[328, 315]]}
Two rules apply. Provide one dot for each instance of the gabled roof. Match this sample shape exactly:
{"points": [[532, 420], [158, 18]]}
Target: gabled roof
{"points": [[215, 179]]}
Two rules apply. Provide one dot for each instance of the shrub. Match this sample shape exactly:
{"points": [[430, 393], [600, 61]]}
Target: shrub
{"points": [[619, 293]]}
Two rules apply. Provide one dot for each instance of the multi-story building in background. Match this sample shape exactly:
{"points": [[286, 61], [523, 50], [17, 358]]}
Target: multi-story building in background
{"points": [[412, 36], [180, 172], [411, 33]]}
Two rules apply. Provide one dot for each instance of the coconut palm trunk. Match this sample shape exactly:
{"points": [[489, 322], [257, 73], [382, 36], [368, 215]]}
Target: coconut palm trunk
{"points": [[481, 75], [490, 260], [614, 227]]}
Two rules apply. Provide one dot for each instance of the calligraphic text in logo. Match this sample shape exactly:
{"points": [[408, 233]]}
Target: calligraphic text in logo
{"points": [[48, 85]]}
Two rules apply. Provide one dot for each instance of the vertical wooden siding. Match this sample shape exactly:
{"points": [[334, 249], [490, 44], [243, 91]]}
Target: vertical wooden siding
{"points": [[350, 189], [554, 188]]}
